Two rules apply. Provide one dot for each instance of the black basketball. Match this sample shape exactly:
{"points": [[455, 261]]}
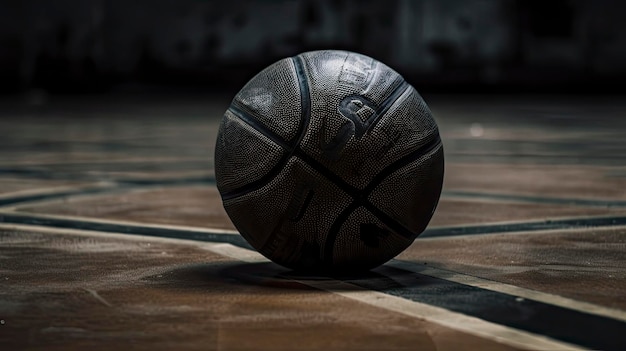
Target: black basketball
{"points": [[329, 161]]}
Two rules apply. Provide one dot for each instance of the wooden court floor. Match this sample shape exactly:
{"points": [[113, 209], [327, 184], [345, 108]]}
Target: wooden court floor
{"points": [[112, 234]]}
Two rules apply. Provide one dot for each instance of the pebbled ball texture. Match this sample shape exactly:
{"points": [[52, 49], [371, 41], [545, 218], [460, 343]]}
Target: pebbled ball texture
{"points": [[329, 161]]}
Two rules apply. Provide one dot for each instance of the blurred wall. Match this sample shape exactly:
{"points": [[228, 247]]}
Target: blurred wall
{"points": [[98, 45]]}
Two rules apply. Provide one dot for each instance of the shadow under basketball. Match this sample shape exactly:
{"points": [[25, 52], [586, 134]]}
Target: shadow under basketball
{"points": [[205, 277]]}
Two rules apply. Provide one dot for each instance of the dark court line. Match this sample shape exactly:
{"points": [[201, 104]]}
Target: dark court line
{"points": [[86, 224], [57, 195], [75, 169], [536, 199], [576, 327], [209, 180], [118, 185], [541, 157], [204, 236], [572, 223], [37, 173], [617, 174], [568, 223]]}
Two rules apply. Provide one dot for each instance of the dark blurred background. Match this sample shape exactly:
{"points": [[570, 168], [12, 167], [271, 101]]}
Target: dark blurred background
{"points": [[77, 46]]}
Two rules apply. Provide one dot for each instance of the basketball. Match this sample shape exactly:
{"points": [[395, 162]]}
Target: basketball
{"points": [[329, 161]]}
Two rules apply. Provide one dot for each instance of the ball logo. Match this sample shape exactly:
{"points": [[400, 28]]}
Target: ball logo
{"points": [[359, 114], [357, 70], [359, 111]]}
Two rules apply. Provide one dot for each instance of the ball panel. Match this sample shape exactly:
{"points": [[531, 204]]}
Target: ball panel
{"points": [[258, 213], [273, 97], [311, 211], [407, 126], [237, 161], [287, 220], [410, 194], [363, 242]]}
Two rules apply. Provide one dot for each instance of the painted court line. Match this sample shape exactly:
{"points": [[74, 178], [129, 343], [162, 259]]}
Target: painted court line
{"points": [[564, 324], [7, 167], [232, 237], [43, 196], [456, 321], [210, 180], [402, 298], [10, 200], [452, 320], [64, 219], [200, 180], [527, 226], [442, 316], [105, 234], [535, 199], [58, 189], [380, 294], [194, 233], [513, 290], [163, 231]]}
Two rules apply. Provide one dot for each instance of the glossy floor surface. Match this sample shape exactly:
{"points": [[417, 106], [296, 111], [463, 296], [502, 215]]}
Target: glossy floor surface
{"points": [[112, 234]]}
